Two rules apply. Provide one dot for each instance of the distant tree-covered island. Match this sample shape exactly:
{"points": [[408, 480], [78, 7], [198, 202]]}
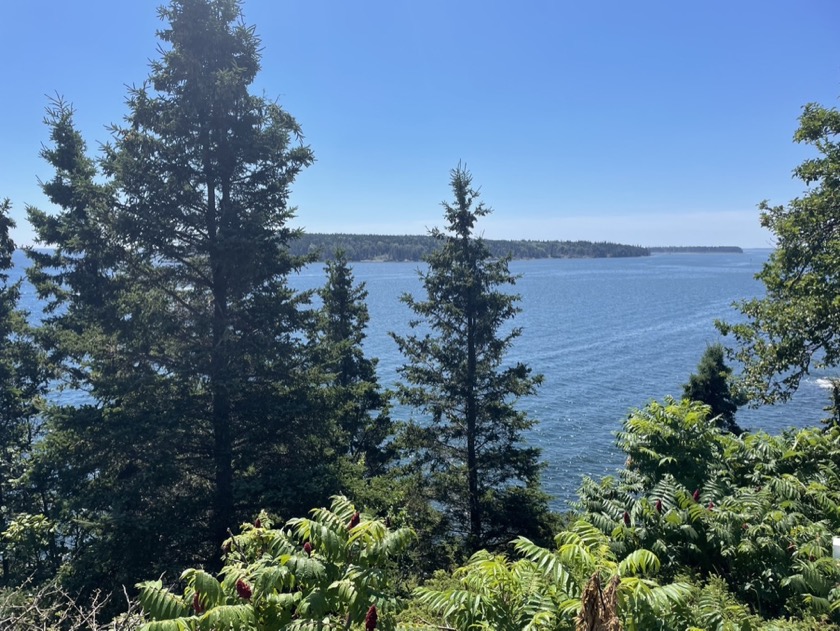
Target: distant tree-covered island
{"points": [[697, 249], [380, 247]]}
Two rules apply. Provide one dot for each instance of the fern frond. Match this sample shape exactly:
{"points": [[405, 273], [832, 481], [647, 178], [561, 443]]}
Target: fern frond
{"points": [[229, 618], [209, 590], [638, 562], [159, 603]]}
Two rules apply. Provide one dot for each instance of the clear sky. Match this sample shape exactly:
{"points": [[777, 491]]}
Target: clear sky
{"points": [[647, 122]]}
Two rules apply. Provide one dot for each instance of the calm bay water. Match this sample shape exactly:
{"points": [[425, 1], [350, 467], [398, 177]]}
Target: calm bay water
{"points": [[608, 335]]}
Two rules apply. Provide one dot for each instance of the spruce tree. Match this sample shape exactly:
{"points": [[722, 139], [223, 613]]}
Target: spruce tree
{"points": [[711, 385], [355, 398], [25, 533], [468, 443], [170, 312], [119, 452], [205, 169]]}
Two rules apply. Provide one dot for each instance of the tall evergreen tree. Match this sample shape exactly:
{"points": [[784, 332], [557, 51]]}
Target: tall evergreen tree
{"points": [[23, 379], [113, 455], [205, 169], [171, 310], [360, 408], [469, 445], [711, 385]]}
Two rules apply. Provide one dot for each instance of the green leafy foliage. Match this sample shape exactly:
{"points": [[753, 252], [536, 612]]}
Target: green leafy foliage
{"points": [[674, 437], [209, 388], [322, 572], [545, 589], [757, 511], [792, 329], [748, 547]]}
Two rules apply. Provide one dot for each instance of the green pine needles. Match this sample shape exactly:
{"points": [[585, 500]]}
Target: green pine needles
{"points": [[468, 444]]}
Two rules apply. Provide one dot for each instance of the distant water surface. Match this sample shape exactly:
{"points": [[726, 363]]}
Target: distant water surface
{"points": [[608, 335]]}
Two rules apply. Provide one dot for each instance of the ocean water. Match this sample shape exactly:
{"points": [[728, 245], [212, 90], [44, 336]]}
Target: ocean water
{"points": [[608, 335]]}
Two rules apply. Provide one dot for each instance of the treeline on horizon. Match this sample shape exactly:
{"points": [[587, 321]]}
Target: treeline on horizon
{"points": [[383, 247], [696, 249], [379, 247], [396, 248]]}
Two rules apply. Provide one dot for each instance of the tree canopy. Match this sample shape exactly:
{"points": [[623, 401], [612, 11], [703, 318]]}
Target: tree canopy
{"points": [[360, 408], [25, 532], [795, 327], [177, 401], [387, 247]]}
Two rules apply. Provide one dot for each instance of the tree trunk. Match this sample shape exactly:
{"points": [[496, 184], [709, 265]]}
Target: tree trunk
{"points": [[599, 609], [222, 515], [472, 418]]}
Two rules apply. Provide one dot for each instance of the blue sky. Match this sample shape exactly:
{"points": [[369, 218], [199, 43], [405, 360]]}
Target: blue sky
{"points": [[652, 123]]}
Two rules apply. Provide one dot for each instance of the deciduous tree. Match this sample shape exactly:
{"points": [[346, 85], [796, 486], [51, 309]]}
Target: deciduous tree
{"points": [[794, 327]]}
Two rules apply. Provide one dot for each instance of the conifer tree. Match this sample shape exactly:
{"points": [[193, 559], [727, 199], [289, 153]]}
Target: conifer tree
{"points": [[360, 408], [711, 385], [205, 168], [23, 378], [170, 311], [469, 442], [117, 452]]}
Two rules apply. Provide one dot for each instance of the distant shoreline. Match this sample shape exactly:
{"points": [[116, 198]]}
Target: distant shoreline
{"points": [[411, 248], [697, 249], [370, 248]]}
